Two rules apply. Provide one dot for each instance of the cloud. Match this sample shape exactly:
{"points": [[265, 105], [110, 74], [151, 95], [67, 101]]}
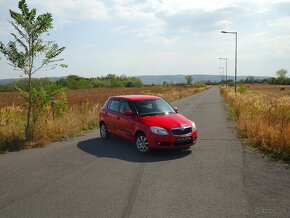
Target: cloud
{"points": [[280, 22], [260, 45], [119, 29], [130, 10], [154, 33], [151, 28], [173, 7], [68, 11], [224, 24], [150, 62], [169, 36]]}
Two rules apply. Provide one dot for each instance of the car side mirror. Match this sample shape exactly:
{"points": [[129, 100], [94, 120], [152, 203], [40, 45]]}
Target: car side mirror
{"points": [[175, 108], [128, 112]]}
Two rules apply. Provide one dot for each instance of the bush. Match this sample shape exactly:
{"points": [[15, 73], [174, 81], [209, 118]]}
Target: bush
{"points": [[242, 88]]}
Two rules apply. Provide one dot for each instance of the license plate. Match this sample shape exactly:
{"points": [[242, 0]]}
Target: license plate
{"points": [[184, 139]]}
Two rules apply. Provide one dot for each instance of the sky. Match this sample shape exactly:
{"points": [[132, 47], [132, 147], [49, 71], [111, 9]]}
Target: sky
{"points": [[161, 37]]}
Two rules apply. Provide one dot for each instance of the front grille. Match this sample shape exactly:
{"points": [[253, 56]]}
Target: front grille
{"points": [[181, 130]]}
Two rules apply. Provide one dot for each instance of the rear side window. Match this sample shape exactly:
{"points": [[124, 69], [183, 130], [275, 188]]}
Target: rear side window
{"points": [[114, 105]]}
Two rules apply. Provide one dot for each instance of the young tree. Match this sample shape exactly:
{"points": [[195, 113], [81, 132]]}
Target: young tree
{"points": [[188, 79], [28, 51], [281, 73]]}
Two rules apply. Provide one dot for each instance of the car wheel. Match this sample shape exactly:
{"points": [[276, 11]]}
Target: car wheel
{"points": [[104, 131], [142, 143]]}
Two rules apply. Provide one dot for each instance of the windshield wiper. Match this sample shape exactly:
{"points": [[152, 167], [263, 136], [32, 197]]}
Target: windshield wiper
{"points": [[151, 114], [157, 113]]}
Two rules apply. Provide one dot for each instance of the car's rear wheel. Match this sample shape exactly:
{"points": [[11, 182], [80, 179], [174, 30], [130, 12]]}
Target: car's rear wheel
{"points": [[104, 131], [142, 143]]}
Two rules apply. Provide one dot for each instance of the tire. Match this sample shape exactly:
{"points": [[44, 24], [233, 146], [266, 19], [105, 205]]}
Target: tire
{"points": [[141, 143], [104, 131]]}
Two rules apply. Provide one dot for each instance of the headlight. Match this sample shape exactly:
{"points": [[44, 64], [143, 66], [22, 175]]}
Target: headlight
{"points": [[158, 130], [193, 126]]}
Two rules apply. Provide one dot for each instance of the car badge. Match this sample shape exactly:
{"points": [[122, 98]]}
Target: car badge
{"points": [[182, 128]]}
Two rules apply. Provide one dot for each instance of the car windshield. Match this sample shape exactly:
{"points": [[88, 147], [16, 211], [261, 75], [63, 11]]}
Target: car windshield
{"points": [[153, 107]]}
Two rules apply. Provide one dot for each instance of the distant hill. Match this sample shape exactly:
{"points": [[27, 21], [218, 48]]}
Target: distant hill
{"points": [[6, 81], [159, 79]]}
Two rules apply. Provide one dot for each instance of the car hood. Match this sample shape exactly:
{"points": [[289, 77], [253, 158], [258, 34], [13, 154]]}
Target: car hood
{"points": [[166, 121]]}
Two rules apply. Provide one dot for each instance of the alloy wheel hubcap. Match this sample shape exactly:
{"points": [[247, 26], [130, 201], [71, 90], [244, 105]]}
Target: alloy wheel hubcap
{"points": [[142, 143], [103, 131]]}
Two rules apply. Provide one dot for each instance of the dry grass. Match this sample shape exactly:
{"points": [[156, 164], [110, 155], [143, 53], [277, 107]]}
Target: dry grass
{"points": [[81, 116], [270, 90], [99, 95], [262, 119], [11, 127], [76, 121]]}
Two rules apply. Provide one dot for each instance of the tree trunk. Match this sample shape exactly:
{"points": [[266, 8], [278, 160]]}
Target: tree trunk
{"points": [[28, 135]]}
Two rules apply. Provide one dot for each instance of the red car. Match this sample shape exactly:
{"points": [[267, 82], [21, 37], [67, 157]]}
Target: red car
{"points": [[149, 121]]}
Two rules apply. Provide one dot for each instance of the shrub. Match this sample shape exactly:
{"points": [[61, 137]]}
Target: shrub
{"points": [[242, 88]]}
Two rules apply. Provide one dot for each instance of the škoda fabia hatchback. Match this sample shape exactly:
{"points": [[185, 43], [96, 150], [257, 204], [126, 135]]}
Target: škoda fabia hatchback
{"points": [[148, 121]]}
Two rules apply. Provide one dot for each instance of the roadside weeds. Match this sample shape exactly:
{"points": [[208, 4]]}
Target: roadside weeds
{"points": [[263, 122]]}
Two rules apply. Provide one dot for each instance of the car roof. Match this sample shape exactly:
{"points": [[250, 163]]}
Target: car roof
{"points": [[136, 97]]}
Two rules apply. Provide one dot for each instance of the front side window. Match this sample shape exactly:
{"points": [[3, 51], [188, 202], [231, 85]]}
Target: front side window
{"points": [[124, 106], [153, 107]]}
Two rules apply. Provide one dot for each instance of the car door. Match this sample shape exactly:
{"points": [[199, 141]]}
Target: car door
{"points": [[112, 115], [126, 124]]}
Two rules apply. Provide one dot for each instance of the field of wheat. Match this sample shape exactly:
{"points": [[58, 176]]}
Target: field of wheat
{"points": [[262, 118], [81, 114]]}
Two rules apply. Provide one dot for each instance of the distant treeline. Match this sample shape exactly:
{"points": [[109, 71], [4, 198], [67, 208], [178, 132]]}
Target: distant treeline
{"points": [[252, 80], [77, 82], [271, 81], [111, 81]]}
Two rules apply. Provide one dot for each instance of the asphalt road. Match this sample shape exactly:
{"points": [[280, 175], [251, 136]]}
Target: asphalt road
{"points": [[87, 177]]}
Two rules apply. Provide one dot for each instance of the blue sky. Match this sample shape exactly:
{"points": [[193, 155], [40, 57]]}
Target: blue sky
{"points": [[162, 36]]}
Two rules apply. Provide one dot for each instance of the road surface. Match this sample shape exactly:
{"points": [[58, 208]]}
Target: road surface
{"points": [[87, 177]]}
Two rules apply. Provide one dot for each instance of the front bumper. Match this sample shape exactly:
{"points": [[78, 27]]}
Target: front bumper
{"points": [[172, 141]]}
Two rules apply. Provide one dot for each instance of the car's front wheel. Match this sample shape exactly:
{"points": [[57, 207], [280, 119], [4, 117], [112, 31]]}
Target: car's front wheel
{"points": [[104, 131], [142, 143]]}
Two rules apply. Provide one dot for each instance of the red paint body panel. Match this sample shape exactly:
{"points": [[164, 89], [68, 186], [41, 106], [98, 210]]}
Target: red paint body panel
{"points": [[127, 127]]}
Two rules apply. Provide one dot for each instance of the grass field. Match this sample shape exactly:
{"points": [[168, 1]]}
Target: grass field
{"points": [[99, 95], [262, 113], [81, 114], [270, 90]]}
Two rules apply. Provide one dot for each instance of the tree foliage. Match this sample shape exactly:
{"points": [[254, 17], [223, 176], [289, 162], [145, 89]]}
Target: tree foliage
{"points": [[188, 79], [42, 97], [23, 84], [282, 73], [76, 82], [29, 52], [109, 81]]}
